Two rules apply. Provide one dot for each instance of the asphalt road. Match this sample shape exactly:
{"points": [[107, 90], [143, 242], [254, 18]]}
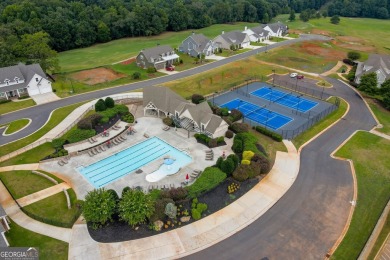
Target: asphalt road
{"points": [[40, 114], [308, 219]]}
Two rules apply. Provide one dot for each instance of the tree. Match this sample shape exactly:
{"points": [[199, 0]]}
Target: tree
{"points": [[98, 207], [368, 83], [135, 207], [103, 32], [304, 16], [292, 15], [353, 55], [109, 102], [386, 100], [385, 87], [227, 166], [325, 14], [100, 105], [335, 19]]}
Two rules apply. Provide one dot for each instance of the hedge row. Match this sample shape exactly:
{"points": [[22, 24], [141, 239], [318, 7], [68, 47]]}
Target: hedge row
{"points": [[277, 137], [208, 180]]}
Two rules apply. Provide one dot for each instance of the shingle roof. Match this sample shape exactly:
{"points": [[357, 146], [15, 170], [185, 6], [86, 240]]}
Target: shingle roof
{"points": [[163, 98], [234, 37], [275, 26], [21, 71], [2, 212], [373, 63], [10, 73], [155, 52], [259, 30], [215, 121], [201, 40]]}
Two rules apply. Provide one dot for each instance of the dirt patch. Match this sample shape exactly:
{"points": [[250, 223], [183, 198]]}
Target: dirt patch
{"points": [[317, 50], [322, 32], [353, 43], [127, 62], [96, 76]]}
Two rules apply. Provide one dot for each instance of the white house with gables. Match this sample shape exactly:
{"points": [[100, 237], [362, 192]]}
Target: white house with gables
{"points": [[256, 34], [277, 29], [379, 64], [21, 80], [163, 102]]}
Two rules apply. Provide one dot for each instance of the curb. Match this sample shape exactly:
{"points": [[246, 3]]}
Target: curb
{"points": [[5, 130]]}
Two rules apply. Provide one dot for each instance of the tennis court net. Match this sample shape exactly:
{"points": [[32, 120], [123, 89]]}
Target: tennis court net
{"points": [[279, 98]]}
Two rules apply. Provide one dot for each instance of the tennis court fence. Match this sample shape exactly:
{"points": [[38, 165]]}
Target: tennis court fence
{"points": [[312, 120], [318, 94]]}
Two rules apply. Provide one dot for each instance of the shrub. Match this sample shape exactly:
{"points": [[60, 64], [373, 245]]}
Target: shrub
{"points": [[120, 109], [178, 193], [245, 162], [227, 166], [168, 121], [209, 179], [100, 105], [128, 118], [247, 155], [57, 143], [85, 124], [114, 195], [351, 74], [235, 159], [236, 114], [135, 207], [241, 173], [213, 143], [275, 136], [353, 55], [219, 162], [196, 215], [239, 127], [125, 189], [99, 207], [228, 120], [201, 207], [196, 98], [237, 146], [233, 187], [349, 62], [104, 120], [136, 75], [109, 102], [220, 140], [151, 70], [94, 119], [77, 135], [159, 209], [110, 113], [4, 101], [229, 134], [262, 163], [224, 111], [202, 138]]}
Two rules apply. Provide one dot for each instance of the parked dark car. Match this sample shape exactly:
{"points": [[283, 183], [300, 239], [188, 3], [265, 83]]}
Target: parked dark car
{"points": [[300, 77], [170, 68]]}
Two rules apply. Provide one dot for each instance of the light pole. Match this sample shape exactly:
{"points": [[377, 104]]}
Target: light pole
{"points": [[299, 101]]}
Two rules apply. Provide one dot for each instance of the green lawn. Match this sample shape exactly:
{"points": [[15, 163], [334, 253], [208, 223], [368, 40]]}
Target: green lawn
{"points": [[228, 53], [49, 248], [370, 158], [114, 51], [324, 123], [54, 209], [16, 125], [277, 39], [15, 105], [31, 156], [189, 62], [222, 78], [369, 32], [381, 239], [270, 145], [382, 115], [22, 183], [57, 116]]}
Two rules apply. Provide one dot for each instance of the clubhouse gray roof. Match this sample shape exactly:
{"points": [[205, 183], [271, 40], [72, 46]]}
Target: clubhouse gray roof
{"points": [[156, 52], [373, 63], [234, 37], [214, 123]]}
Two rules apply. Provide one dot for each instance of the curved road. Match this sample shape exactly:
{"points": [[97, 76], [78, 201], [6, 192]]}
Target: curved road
{"points": [[308, 219], [39, 114]]}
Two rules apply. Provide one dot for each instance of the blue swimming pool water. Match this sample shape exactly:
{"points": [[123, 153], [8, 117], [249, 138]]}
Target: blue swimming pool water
{"points": [[285, 98], [258, 114], [129, 160]]}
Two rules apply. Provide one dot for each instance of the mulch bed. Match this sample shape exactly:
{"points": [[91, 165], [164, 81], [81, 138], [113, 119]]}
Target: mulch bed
{"points": [[216, 199], [100, 128]]}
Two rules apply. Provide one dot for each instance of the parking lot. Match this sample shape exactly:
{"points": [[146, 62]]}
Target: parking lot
{"points": [[305, 82]]}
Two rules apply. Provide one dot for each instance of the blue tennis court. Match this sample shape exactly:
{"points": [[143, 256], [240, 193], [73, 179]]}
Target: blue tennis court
{"points": [[285, 98], [258, 114]]}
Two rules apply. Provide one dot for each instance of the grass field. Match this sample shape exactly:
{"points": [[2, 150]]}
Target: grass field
{"points": [[115, 51], [49, 248], [381, 114], [31, 156], [57, 116], [324, 123], [222, 78], [15, 105], [55, 208], [270, 145], [362, 34], [370, 158], [16, 125], [228, 53], [381, 239], [22, 183]]}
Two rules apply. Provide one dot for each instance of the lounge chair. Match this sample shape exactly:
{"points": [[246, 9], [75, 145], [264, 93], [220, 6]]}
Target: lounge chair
{"points": [[94, 139], [197, 171], [93, 151], [90, 140], [118, 140], [60, 162], [102, 148], [146, 135], [90, 153], [121, 138], [124, 137], [96, 150], [194, 175], [209, 159]]}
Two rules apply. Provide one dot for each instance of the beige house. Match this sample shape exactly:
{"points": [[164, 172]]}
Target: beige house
{"points": [[163, 102]]}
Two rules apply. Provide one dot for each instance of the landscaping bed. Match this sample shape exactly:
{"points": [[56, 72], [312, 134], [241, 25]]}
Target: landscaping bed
{"points": [[215, 199]]}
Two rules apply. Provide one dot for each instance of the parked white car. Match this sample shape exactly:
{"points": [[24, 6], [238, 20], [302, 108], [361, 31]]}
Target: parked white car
{"points": [[293, 75]]}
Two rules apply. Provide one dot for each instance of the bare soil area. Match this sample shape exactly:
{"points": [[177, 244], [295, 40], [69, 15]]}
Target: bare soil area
{"points": [[318, 50], [96, 76]]}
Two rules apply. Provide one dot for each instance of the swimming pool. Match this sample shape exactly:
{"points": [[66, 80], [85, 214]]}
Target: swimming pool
{"points": [[129, 160]]}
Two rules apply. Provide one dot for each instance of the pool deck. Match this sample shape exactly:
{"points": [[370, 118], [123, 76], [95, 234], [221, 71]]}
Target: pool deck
{"points": [[153, 127]]}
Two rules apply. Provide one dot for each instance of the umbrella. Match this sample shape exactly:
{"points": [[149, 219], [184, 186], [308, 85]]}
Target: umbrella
{"points": [[187, 177]]}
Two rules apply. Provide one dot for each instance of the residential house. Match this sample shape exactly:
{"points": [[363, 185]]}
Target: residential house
{"points": [[21, 80], [158, 57], [197, 44], [256, 34], [163, 102], [234, 38], [277, 29], [380, 64], [4, 227]]}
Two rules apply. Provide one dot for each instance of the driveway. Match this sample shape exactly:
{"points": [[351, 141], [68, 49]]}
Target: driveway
{"points": [[40, 113], [309, 218]]}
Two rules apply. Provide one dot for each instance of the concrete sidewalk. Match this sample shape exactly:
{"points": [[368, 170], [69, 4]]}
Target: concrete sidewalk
{"points": [[375, 132], [14, 212], [200, 234], [42, 194]]}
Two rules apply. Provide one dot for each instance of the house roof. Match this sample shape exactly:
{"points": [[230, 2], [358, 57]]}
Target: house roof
{"points": [[2, 212], [200, 40], [214, 123], [373, 63], [21, 71], [234, 37], [259, 30], [156, 52], [163, 98], [275, 26]]}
